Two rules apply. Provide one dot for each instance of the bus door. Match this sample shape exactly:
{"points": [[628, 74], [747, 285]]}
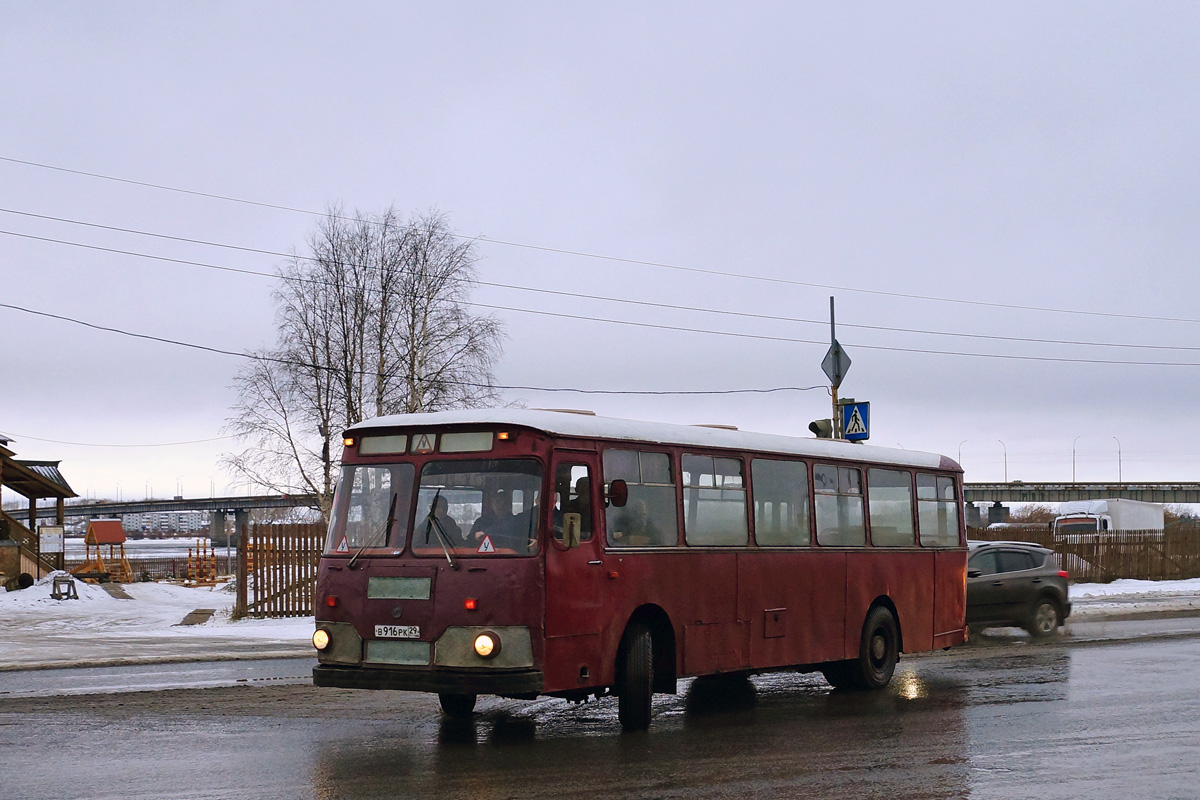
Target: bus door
{"points": [[574, 565]]}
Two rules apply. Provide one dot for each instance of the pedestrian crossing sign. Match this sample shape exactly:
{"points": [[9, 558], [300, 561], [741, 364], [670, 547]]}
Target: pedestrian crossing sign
{"points": [[856, 421]]}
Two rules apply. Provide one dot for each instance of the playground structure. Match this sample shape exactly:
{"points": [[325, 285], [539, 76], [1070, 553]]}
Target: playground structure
{"points": [[202, 564], [95, 568]]}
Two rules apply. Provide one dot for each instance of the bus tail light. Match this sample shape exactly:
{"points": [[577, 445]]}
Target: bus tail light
{"points": [[469, 604], [487, 645], [331, 600]]}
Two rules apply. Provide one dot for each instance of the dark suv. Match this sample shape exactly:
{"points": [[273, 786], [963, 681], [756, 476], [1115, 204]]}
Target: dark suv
{"points": [[1016, 583]]}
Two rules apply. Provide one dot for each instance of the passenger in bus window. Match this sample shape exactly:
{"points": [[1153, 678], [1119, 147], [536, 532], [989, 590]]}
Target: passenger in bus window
{"points": [[635, 527], [440, 516], [493, 514]]}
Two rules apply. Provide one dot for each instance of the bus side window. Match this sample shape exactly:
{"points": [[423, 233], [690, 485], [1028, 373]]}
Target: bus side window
{"points": [[649, 518], [890, 507], [780, 502], [714, 501], [839, 506], [573, 495], [937, 510]]}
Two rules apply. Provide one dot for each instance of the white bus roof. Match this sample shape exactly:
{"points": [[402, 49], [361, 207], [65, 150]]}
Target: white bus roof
{"points": [[588, 426]]}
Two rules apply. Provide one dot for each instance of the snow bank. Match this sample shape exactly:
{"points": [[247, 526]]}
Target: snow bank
{"points": [[1132, 588]]}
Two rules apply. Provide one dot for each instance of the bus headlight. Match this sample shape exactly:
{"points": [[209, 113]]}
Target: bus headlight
{"points": [[320, 639], [487, 645]]}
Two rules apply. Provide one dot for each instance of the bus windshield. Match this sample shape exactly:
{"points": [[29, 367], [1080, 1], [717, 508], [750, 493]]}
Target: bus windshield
{"points": [[486, 507], [367, 498]]}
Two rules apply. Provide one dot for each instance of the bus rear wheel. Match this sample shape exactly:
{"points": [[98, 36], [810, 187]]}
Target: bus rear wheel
{"points": [[878, 652], [457, 705], [635, 679]]}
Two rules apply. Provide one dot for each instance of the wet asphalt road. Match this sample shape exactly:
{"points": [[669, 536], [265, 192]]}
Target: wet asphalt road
{"points": [[1003, 717]]}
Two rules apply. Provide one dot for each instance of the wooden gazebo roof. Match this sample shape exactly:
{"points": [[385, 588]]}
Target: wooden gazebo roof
{"points": [[105, 531], [33, 479]]}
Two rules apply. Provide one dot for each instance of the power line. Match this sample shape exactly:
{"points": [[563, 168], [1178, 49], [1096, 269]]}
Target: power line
{"points": [[631, 261], [294, 363], [19, 436], [761, 337], [855, 345], [536, 290]]}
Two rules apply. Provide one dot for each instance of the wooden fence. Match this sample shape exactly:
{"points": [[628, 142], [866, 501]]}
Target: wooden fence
{"points": [[154, 568], [1173, 554], [277, 570]]}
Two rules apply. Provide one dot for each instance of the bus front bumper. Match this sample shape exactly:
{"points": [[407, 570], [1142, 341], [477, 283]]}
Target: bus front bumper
{"points": [[451, 681]]}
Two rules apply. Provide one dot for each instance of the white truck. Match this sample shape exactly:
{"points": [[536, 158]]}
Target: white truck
{"points": [[1094, 518]]}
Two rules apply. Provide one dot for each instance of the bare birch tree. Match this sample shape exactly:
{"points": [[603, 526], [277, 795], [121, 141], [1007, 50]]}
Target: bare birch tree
{"points": [[372, 321]]}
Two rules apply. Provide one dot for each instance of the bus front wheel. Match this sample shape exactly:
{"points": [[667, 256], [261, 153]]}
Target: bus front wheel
{"points": [[635, 679], [457, 705]]}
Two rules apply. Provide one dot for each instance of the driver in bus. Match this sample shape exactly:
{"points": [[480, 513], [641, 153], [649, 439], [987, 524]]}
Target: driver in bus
{"points": [[502, 527]]}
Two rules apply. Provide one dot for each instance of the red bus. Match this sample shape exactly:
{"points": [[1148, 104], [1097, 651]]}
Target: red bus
{"points": [[522, 553]]}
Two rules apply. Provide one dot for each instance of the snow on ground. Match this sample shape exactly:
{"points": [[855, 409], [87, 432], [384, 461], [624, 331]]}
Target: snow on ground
{"points": [[156, 609]]}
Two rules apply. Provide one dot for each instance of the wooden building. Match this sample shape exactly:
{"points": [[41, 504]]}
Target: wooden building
{"points": [[34, 480]]}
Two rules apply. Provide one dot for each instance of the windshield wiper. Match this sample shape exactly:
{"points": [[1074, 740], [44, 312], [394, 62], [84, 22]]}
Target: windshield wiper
{"points": [[387, 527], [437, 527]]}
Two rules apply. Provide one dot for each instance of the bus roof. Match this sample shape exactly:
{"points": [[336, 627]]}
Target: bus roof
{"points": [[588, 426]]}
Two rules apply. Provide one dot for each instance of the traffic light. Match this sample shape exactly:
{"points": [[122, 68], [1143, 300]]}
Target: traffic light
{"points": [[823, 428]]}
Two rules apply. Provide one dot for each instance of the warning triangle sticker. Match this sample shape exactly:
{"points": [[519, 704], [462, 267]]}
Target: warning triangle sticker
{"points": [[855, 424], [486, 545], [424, 444], [343, 546]]}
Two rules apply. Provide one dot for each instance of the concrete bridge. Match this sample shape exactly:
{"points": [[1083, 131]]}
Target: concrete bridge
{"points": [[1020, 492], [219, 509]]}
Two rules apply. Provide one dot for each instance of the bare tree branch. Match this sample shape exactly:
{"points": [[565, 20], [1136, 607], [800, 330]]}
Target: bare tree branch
{"points": [[373, 321]]}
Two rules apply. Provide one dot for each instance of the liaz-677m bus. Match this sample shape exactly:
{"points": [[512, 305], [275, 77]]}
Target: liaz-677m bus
{"points": [[522, 553]]}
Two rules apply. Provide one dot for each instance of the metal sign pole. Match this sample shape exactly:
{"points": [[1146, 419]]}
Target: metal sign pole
{"points": [[835, 416]]}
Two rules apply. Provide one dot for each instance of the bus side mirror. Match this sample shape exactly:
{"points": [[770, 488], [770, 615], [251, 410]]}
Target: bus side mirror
{"points": [[571, 524], [617, 493]]}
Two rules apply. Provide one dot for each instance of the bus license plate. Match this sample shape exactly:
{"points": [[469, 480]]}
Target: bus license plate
{"points": [[397, 632]]}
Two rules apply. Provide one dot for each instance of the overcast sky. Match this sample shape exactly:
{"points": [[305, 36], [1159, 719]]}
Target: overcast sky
{"points": [[1003, 199]]}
